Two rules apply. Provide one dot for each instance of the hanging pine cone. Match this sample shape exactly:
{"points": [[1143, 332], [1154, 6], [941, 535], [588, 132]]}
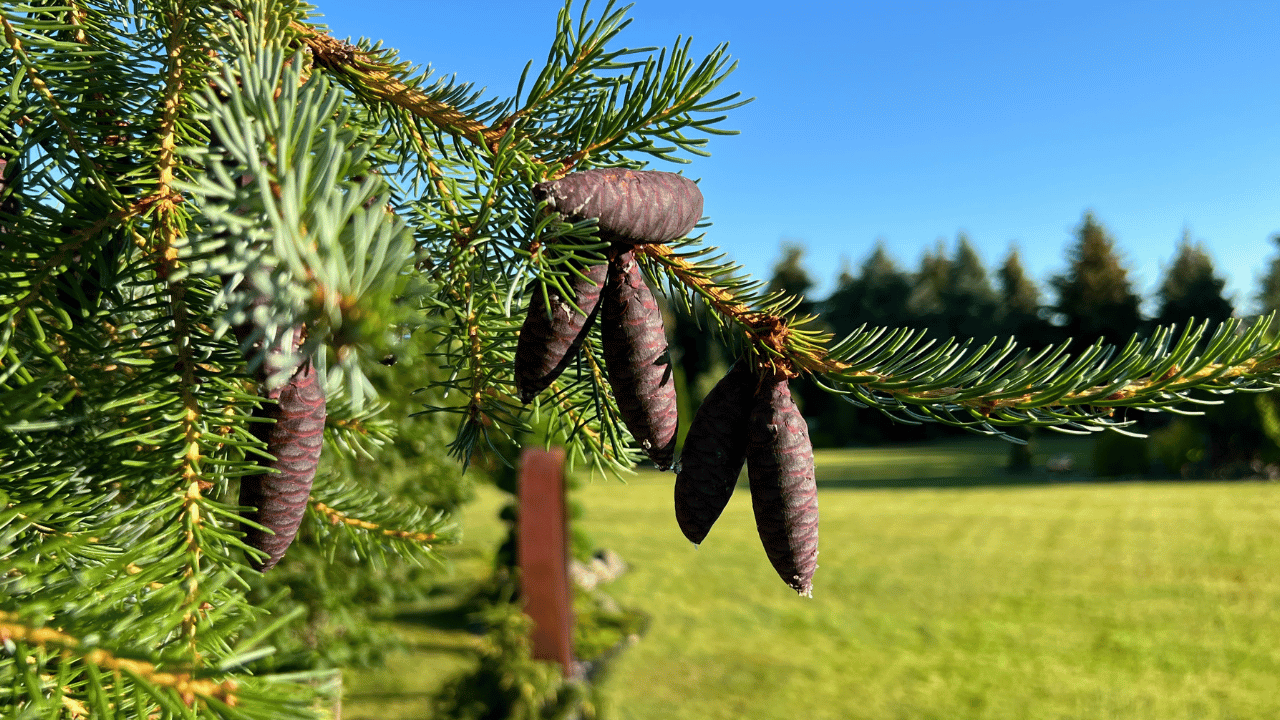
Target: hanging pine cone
{"points": [[714, 451], [637, 362], [784, 492], [630, 206], [295, 440], [548, 344]]}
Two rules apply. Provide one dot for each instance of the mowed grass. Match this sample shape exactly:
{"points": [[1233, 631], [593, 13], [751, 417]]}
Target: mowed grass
{"points": [[1113, 600], [948, 590]]}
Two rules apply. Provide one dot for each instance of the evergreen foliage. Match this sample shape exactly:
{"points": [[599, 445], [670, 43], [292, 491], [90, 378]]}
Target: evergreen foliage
{"points": [[790, 278], [176, 169], [927, 306], [1190, 288], [1269, 292], [1020, 302], [876, 296], [1095, 298], [968, 299]]}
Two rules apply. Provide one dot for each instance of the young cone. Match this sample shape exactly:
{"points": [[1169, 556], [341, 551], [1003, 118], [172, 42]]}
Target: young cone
{"points": [[714, 451], [295, 439], [784, 493], [630, 206], [637, 362], [548, 344]]}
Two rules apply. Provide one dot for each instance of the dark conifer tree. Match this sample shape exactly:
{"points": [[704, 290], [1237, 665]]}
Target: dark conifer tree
{"points": [[1020, 303], [1191, 289], [789, 276], [1269, 293], [968, 301], [1095, 298], [877, 296], [926, 306]]}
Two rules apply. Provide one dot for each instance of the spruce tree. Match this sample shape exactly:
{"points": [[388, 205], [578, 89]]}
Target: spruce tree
{"points": [[877, 296], [1020, 302], [968, 300], [926, 307], [791, 279], [209, 206], [1095, 299], [1190, 288], [1269, 291]]}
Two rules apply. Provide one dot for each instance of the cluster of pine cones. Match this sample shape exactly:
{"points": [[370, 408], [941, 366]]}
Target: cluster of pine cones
{"points": [[749, 418]]}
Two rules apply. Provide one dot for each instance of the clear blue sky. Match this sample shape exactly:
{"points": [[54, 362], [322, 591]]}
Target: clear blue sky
{"points": [[913, 121]]}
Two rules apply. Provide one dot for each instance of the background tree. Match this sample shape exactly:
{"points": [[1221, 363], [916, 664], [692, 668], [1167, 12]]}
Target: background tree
{"points": [[700, 355], [1190, 288], [1020, 303], [1269, 286], [790, 277], [968, 301], [1094, 296], [876, 296], [926, 307]]}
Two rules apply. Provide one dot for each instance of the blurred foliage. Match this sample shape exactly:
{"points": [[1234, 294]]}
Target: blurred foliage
{"points": [[1190, 288], [508, 684], [790, 277], [1094, 296], [1115, 454], [1269, 286]]}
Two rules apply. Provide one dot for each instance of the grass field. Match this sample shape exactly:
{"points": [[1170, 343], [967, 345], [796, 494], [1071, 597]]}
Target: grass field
{"points": [[944, 590]]}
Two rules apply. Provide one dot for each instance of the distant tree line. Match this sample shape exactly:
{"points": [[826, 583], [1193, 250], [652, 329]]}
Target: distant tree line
{"points": [[951, 294]]}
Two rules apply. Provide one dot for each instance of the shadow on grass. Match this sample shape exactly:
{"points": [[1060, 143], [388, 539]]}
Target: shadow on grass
{"points": [[456, 618], [386, 695], [995, 479], [442, 647]]}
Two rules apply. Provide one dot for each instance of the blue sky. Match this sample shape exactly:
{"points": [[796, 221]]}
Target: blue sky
{"points": [[913, 121]]}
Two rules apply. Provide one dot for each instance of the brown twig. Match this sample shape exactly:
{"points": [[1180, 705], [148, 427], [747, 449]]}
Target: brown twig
{"points": [[188, 687], [337, 517], [341, 57]]}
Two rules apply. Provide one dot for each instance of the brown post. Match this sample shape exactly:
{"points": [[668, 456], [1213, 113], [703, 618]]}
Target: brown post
{"points": [[543, 542]]}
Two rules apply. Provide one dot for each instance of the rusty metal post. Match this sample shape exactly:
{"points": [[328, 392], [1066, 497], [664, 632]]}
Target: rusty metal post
{"points": [[543, 541]]}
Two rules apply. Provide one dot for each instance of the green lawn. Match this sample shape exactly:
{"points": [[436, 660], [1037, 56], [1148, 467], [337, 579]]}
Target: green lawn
{"points": [[944, 590]]}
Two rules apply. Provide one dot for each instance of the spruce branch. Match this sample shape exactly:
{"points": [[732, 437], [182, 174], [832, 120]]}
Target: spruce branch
{"points": [[356, 431], [107, 684], [300, 232], [586, 420], [59, 113], [343, 513], [337, 517], [187, 686], [600, 103], [983, 388], [48, 268], [379, 78]]}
